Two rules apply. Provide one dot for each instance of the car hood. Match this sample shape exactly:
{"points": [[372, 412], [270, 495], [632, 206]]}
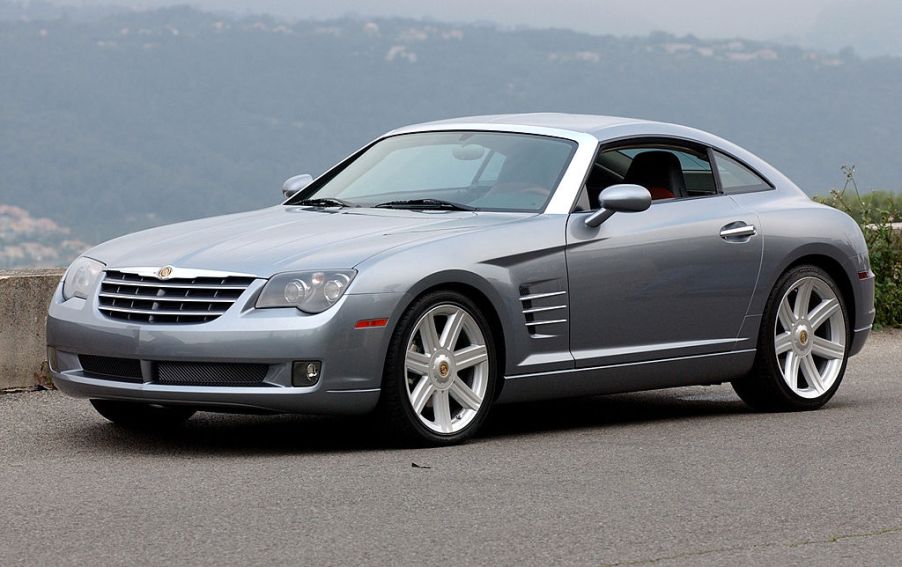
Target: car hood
{"points": [[285, 238]]}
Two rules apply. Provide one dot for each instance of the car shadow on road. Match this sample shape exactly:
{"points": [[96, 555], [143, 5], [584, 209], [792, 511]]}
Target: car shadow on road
{"points": [[228, 435], [610, 411]]}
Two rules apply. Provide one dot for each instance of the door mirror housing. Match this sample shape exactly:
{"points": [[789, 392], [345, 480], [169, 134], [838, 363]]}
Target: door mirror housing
{"points": [[623, 198], [293, 185]]}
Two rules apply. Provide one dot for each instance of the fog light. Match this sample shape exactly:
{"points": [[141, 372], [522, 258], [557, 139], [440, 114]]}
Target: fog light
{"points": [[305, 372]]}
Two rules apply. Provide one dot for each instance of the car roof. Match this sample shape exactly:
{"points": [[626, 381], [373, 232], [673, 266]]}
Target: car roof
{"points": [[583, 123], [598, 128], [602, 128]]}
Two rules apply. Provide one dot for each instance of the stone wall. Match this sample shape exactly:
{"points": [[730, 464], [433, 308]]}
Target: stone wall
{"points": [[24, 296]]}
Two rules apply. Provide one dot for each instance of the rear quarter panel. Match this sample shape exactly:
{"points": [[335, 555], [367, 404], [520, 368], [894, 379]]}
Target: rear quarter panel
{"points": [[796, 230]]}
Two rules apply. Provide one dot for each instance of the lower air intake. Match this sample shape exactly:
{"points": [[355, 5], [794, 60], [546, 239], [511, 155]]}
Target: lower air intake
{"points": [[207, 374], [110, 368]]}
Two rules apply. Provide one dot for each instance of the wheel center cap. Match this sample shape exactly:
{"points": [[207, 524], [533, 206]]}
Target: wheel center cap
{"points": [[442, 370], [801, 338]]}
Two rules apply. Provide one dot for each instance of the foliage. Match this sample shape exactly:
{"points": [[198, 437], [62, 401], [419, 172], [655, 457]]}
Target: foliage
{"points": [[875, 213]]}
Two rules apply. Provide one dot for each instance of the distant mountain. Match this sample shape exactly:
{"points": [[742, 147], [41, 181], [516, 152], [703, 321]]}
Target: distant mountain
{"points": [[34, 242], [869, 26], [138, 118]]}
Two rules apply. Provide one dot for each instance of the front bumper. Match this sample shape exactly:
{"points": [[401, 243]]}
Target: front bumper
{"points": [[352, 359]]}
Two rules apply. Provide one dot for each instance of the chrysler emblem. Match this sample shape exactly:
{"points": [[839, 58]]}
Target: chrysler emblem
{"points": [[164, 272]]}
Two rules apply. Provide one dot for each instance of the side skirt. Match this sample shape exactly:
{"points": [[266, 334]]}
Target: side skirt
{"points": [[628, 377]]}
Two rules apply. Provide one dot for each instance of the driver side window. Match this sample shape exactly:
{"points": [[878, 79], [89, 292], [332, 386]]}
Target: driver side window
{"points": [[668, 170]]}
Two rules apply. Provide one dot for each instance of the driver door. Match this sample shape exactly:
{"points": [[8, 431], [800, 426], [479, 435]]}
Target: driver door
{"points": [[664, 282]]}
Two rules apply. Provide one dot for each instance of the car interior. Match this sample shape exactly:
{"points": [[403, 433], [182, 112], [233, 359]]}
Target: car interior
{"points": [[667, 171], [524, 181]]}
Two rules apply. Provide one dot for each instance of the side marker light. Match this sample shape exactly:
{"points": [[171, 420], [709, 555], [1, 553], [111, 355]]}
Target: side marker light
{"points": [[370, 323]]}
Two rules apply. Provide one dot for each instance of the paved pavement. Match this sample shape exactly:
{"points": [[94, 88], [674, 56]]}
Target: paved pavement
{"points": [[677, 477]]}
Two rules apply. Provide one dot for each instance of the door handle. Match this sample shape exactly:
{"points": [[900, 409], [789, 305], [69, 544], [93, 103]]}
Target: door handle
{"points": [[742, 231]]}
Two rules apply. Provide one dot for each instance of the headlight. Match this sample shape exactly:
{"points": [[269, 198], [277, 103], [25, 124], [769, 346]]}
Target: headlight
{"points": [[81, 277], [311, 292]]}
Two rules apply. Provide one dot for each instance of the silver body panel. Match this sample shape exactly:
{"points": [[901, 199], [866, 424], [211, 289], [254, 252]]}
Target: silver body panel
{"points": [[646, 300]]}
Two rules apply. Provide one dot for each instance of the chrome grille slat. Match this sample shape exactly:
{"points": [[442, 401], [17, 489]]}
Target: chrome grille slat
{"points": [[140, 298], [543, 309], [133, 283], [181, 298], [534, 296], [552, 322], [173, 312]]}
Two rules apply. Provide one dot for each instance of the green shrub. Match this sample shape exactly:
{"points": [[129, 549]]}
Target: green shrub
{"points": [[875, 212]]}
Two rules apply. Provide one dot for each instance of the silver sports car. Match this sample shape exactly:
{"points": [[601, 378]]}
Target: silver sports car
{"points": [[450, 266]]}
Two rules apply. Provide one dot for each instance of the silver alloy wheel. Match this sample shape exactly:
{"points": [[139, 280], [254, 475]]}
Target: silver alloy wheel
{"points": [[810, 337], [447, 366]]}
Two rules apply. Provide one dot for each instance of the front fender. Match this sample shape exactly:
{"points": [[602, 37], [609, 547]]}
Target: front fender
{"points": [[497, 264]]}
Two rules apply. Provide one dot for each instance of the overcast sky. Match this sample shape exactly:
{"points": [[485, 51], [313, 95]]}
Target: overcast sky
{"points": [[870, 26]]}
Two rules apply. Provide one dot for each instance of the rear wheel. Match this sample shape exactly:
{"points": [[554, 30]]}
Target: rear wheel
{"points": [[441, 371], [802, 346], [136, 415]]}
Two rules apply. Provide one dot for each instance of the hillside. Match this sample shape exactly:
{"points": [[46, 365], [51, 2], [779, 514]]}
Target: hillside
{"points": [[34, 242], [136, 119]]}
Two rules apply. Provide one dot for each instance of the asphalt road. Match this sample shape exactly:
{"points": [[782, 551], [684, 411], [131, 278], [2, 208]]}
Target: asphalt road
{"points": [[676, 477]]}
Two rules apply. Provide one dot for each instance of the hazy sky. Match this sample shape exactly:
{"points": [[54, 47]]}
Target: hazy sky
{"points": [[871, 26]]}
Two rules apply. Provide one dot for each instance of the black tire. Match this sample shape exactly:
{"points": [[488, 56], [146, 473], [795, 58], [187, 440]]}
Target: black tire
{"points": [[396, 410], [764, 388], [140, 416]]}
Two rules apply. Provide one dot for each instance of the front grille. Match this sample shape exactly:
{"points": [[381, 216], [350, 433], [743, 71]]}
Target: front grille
{"points": [[110, 368], [209, 374], [130, 297]]}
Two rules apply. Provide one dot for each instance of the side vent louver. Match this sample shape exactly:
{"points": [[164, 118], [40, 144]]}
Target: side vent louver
{"points": [[545, 312]]}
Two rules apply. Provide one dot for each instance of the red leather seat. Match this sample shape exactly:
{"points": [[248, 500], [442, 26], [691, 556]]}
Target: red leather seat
{"points": [[660, 193], [658, 171]]}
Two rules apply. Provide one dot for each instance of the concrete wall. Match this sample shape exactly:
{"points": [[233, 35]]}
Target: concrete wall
{"points": [[24, 296]]}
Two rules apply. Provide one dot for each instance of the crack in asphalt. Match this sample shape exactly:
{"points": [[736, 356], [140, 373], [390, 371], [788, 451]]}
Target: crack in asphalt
{"points": [[832, 539]]}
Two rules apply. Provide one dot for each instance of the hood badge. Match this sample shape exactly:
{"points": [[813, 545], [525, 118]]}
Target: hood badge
{"points": [[165, 272]]}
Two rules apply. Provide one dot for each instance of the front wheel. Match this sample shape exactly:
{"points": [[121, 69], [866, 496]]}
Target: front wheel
{"points": [[136, 415], [441, 371], [802, 345]]}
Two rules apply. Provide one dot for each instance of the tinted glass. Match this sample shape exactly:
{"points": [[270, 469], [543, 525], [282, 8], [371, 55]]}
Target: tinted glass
{"points": [[486, 170], [687, 173], [698, 178], [737, 178]]}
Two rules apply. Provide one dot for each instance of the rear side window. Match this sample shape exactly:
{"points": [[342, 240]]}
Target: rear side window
{"points": [[737, 178]]}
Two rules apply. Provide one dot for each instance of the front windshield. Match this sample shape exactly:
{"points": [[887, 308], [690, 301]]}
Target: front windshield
{"points": [[495, 171]]}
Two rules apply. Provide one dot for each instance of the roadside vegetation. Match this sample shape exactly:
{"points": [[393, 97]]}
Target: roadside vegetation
{"points": [[876, 212]]}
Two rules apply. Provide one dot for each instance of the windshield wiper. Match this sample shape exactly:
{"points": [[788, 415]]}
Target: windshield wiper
{"points": [[425, 204], [324, 202]]}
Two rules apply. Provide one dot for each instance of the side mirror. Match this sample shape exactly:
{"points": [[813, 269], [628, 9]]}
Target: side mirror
{"points": [[294, 184], [622, 198]]}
